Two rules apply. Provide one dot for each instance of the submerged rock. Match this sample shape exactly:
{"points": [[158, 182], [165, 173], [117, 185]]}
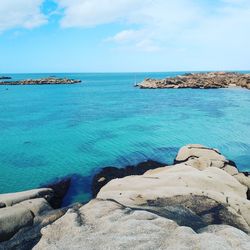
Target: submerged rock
{"points": [[109, 173], [49, 80], [199, 80]]}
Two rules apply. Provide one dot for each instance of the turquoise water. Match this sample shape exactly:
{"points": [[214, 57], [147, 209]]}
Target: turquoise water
{"points": [[52, 131]]}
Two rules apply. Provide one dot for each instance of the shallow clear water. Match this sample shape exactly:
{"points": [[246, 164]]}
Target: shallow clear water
{"points": [[48, 132]]}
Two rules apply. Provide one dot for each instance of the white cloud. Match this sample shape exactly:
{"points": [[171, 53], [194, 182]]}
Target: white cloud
{"points": [[165, 24], [21, 13], [89, 13], [157, 20], [125, 36]]}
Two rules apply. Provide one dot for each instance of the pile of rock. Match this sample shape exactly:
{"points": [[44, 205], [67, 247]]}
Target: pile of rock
{"points": [[49, 80], [198, 203], [200, 81]]}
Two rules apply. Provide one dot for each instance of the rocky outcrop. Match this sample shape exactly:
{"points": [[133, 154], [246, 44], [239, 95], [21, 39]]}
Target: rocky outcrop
{"points": [[109, 173], [105, 224], [27, 237], [201, 157], [20, 210], [42, 81], [203, 182], [15, 198], [200, 202], [23, 214], [200, 81]]}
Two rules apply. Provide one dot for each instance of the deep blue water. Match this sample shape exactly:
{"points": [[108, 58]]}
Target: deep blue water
{"points": [[51, 131]]}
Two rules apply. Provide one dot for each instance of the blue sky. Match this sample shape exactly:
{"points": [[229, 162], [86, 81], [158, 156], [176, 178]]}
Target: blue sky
{"points": [[124, 35]]}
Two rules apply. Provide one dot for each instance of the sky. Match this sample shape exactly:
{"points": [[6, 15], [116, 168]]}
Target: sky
{"points": [[124, 35]]}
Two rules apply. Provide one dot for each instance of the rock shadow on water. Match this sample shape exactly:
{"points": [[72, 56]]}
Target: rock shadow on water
{"points": [[241, 162], [79, 185], [69, 187]]}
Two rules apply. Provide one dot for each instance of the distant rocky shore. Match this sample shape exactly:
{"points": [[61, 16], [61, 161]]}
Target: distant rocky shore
{"points": [[202, 201], [211, 80], [5, 77], [42, 81]]}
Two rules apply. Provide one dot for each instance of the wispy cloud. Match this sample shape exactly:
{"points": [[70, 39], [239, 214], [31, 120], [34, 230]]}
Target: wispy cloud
{"points": [[21, 13], [89, 13], [161, 23]]}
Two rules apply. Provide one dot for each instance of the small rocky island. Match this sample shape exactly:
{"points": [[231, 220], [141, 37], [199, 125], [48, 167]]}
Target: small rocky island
{"points": [[202, 201], [5, 77], [210, 80], [41, 81]]}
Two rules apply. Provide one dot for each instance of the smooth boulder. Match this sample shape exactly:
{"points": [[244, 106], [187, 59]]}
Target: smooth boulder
{"points": [[202, 157], [12, 219], [103, 224]]}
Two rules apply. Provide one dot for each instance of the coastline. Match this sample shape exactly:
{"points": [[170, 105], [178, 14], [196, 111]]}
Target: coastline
{"points": [[200, 175]]}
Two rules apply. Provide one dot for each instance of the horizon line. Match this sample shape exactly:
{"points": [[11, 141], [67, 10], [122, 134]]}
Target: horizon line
{"points": [[122, 72]]}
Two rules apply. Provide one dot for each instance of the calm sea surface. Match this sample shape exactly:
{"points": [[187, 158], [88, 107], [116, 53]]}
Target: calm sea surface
{"points": [[47, 132]]}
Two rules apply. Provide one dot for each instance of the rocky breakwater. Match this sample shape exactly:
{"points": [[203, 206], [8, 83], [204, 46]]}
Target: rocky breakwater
{"points": [[42, 81], [198, 203], [199, 81]]}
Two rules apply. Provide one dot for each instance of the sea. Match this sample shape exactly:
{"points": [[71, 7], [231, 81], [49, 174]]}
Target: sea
{"points": [[48, 132]]}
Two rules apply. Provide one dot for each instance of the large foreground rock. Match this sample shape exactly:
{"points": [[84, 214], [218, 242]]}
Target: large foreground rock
{"points": [[213, 195], [103, 224], [204, 183], [198, 203]]}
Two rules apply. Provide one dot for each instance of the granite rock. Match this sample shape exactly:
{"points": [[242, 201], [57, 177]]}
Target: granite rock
{"points": [[109, 173], [105, 224]]}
